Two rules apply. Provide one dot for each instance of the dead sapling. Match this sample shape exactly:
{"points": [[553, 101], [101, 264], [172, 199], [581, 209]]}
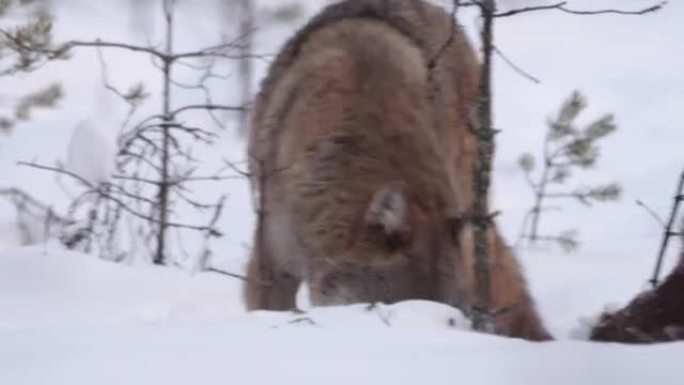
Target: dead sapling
{"points": [[157, 171]]}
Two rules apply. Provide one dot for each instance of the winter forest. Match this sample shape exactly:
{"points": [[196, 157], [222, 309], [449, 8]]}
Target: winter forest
{"points": [[159, 224]]}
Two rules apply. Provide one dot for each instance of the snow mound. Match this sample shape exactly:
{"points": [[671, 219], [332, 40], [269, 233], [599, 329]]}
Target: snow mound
{"points": [[91, 152], [403, 315], [45, 288]]}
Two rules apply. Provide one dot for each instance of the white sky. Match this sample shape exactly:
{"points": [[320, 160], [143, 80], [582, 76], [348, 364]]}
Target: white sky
{"points": [[629, 66]]}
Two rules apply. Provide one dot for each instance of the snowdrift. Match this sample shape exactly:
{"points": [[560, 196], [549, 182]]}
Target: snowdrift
{"points": [[67, 318]]}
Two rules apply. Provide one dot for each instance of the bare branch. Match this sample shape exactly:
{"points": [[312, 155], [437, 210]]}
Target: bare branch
{"points": [[652, 214], [229, 274], [561, 7], [102, 191], [73, 175], [531, 9], [515, 67], [206, 107], [651, 9], [454, 9], [98, 43]]}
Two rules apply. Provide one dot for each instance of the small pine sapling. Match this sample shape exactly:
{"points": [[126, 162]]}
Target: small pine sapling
{"points": [[26, 22], [567, 149]]}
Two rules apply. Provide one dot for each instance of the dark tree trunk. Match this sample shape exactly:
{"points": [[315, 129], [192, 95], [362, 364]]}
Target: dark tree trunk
{"points": [[654, 316], [483, 169]]}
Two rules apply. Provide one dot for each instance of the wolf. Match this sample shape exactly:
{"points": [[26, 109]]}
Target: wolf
{"points": [[361, 156]]}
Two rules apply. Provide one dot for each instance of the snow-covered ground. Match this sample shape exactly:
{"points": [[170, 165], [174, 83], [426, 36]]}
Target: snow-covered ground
{"points": [[71, 319]]}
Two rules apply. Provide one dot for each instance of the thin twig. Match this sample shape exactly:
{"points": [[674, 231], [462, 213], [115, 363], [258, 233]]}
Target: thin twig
{"points": [[226, 273], [206, 107], [561, 7], [515, 67], [121, 203], [652, 213]]}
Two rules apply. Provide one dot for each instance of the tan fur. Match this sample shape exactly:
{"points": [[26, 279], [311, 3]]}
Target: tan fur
{"points": [[354, 106]]}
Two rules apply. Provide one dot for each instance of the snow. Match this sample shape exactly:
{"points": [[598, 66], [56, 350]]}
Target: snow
{"points": [[91, 152], [9, 233], [68, 318]]}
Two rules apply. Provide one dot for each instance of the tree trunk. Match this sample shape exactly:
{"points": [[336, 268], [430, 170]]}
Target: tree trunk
{"points": [[246, 42], [164, 185], [483, 169]]}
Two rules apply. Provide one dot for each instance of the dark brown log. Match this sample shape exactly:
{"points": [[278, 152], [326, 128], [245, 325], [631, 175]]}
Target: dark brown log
{"points": [[654, 316]]}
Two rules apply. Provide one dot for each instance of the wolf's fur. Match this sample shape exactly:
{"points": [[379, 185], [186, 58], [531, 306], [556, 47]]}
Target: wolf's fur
{"points": [[362, 157]]}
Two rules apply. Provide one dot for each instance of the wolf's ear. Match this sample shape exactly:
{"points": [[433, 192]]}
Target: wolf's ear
{"points": [[389, 209]]}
